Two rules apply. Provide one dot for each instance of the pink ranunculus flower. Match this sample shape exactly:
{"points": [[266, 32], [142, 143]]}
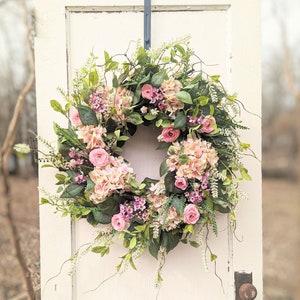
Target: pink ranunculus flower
{"points": [[99, 157], [118, 222], [207, 124], [74, 117], [191, 214], [181, 183], [169, 134], [147, 91]]}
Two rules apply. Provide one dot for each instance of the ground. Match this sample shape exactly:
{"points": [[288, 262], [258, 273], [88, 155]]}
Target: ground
{"points": [[281, 220]]}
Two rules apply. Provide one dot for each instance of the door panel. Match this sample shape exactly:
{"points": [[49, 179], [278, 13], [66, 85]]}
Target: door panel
{"points": [[62, 46]]}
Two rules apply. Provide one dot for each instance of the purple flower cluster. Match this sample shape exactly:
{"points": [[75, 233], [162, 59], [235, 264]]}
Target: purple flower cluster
{"points": [[135, 208], [77, 159], [80, 178], [207, 123], [194, 121], [153, 94], [196, 196], [98, 101]]}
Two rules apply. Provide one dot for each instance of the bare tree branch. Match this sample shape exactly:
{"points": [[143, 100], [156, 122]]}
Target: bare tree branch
{"points": [[288, 69], [291, 82], [10, 136]]}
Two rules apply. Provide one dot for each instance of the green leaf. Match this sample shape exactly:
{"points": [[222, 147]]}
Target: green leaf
{"points": [[194, 244], [44, 201], [102, 250], [170, 182], [141, 56], [232, 98], [132, 243], [169, 240], [154, 248], [101, 217], [215, 78], [213, 257], [163, 145], [87, 115], [178, 204], [180, 121], [203, 100], [115, 81], [111, 125], [61, 178], [135, 118], [163, 168], [113, 65], [132, 263], [56, 106], [180, 49], [59, 190], [158, 78], [123, 138], [244, 174], [189, 228], [106, 56], [150, 117], [184, 97], [245, 146], [196, 79], [46, 166], [93, 77], [111, 205], [144, 79], [72, 190], [89, 184]]}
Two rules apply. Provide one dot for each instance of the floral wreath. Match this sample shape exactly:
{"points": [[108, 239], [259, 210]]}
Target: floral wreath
{"points": [[168, 89]]}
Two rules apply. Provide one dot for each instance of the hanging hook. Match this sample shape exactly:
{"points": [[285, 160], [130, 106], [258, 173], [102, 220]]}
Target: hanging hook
{"points": [[147, 24]]}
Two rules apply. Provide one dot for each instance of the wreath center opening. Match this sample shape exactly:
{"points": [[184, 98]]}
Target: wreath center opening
{"points": [[140, 151]]}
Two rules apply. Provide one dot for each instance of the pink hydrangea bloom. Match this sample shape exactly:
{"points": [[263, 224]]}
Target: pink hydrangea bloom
{"points": [[191, 214], [200, 157], [172, 219], [123, 98], [110, 179], [169, 89], [92, 136]]}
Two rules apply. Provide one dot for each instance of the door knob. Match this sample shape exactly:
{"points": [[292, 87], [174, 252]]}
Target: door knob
{"points": [[244, 289], [247, 291]]}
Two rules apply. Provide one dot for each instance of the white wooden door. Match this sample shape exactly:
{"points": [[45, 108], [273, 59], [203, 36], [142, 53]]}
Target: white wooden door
{"points": [[225, 34]]}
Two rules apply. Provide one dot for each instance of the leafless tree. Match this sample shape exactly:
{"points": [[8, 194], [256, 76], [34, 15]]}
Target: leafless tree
{"points": [[281, 99], [9, 139], [292, 83]]}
